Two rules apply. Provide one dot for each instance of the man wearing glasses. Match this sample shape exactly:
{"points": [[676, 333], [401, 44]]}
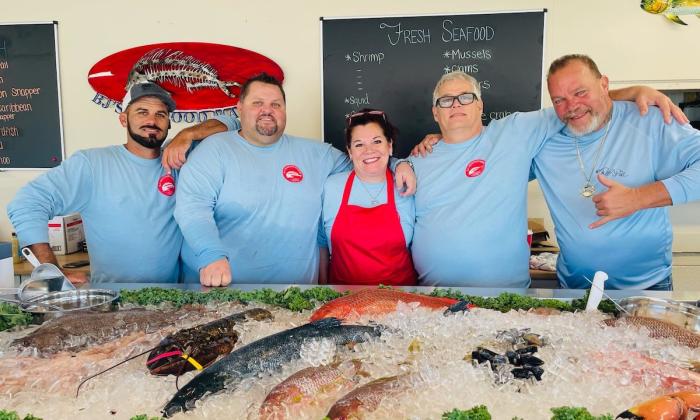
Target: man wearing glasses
{"points": [[471, 202], [472, 191]]}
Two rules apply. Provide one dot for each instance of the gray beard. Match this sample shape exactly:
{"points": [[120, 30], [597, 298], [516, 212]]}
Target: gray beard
{"points": [[266, 131], [596, 121]]}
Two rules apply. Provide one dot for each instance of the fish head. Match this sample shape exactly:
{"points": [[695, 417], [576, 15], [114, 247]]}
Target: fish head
{"points": [[654, 6]]}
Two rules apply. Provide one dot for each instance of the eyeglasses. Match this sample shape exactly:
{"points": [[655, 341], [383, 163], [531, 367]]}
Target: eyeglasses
{"points": [[462, 98], [348, 120]]}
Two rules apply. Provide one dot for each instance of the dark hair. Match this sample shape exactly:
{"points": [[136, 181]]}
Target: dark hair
{"points": [[262, 78], [366, 116], [563, 61]]}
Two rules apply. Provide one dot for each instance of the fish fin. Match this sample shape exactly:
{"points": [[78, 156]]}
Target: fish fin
{"points": [[327, 322], [675, 18], [460, 306]]}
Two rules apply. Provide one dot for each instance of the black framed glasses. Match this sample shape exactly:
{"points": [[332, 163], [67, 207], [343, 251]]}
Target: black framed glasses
{"points": [[463, 98], [349, 118]]}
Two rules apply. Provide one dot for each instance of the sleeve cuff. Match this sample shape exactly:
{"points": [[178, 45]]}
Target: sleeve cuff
{"points": [[676, 191], [34, 236], [231, 123], [209, 257]]}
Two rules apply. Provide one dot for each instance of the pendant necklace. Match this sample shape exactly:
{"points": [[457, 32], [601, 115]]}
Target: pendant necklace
{"points": [[374, 199], [588, 188]]}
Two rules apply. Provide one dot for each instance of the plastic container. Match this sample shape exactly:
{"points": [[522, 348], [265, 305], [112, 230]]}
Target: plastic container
{"points": [[17, 257]]}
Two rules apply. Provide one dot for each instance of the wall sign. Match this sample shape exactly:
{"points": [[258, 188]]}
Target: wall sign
{"points": [[200, 76], [31, 128], [393, 63]]}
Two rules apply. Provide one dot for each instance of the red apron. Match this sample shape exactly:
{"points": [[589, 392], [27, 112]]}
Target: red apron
{"points": [[368, 245]]}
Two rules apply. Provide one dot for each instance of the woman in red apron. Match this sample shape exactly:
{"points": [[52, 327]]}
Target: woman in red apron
{"points": [[367, 223]]}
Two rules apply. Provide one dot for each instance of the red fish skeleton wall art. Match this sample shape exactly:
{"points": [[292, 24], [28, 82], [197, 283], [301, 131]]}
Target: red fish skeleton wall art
{"points": [[200, 76]]}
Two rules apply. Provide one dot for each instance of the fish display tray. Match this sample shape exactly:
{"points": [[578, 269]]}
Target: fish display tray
{"points": [[677, 313], [72, 300]]}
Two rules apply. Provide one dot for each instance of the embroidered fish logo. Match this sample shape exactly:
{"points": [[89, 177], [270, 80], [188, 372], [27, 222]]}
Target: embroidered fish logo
{"points": [[672, 8], [179, 69]]}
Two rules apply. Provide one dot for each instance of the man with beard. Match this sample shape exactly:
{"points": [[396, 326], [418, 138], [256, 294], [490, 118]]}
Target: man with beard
{"points": [[609, 178], [249, 201], [121, 192], [471, 207]]}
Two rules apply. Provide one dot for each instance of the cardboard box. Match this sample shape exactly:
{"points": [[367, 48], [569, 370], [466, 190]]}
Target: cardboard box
{"points": [[66, 233]]}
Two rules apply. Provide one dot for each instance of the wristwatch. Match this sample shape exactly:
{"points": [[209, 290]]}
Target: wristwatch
{"points": [[406, 161]]}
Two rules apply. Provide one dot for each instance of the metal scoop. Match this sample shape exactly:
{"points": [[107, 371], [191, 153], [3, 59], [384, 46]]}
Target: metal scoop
{"points": [[45, 278]]}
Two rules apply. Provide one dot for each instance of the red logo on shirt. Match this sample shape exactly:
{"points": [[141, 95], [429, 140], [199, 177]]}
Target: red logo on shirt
{"points": [[166, 185], [475, 168], [292, 174]]}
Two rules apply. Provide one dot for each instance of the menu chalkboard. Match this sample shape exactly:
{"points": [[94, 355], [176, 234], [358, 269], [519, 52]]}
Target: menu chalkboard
{"points": [[393, 63], [31, 130]]}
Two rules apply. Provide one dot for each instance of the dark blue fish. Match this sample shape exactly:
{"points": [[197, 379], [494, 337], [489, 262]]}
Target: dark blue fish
{"points": [[263, 356]]}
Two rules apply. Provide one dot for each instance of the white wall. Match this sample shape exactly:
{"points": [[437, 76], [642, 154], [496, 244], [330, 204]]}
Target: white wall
{"points": [[629, 45]]}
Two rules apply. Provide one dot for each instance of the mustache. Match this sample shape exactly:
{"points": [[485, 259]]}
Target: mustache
{"points": [[152, 127], [575, 113]]}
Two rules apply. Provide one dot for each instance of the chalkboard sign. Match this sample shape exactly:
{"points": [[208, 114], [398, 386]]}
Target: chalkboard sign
{"points": [[393, 63], [31, 130]]}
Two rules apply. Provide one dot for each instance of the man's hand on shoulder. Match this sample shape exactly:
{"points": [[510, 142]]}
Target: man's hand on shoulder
{"points": [[216, 274], [645, 96], [175, 153], [425, 147]]}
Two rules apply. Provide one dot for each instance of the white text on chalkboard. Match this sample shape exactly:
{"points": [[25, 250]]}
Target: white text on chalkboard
{"points": [[15, 107], [358, 57], [9, 132], [357, 101], [406, 36], [458, 54], [450, 33], [26, 92]]}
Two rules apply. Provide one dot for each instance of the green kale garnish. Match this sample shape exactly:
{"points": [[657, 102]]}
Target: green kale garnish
{"points": [[576, 413], [479, 412]]}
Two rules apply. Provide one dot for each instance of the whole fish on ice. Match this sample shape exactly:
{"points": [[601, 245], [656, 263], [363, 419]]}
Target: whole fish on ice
{"points": [[376, 302], [263, 356], [658, 329], [309, 389], [368, 397], [76, 331]]}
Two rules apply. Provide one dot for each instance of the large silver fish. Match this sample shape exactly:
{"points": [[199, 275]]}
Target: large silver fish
{"points": [[263, 356]]}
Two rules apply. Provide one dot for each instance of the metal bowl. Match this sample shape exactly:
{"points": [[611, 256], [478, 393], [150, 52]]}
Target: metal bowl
{"points": [[671, 311], [72, 300]]}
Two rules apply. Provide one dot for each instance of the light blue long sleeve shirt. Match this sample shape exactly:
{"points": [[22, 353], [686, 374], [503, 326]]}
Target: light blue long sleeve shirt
{"points": [[471, 205], [333, 197], [635, 251], [234, 201], [129, 225]]}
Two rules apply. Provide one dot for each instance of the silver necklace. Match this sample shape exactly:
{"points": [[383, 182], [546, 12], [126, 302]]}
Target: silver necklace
{"points": [[374, 199], [588, 188]]}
